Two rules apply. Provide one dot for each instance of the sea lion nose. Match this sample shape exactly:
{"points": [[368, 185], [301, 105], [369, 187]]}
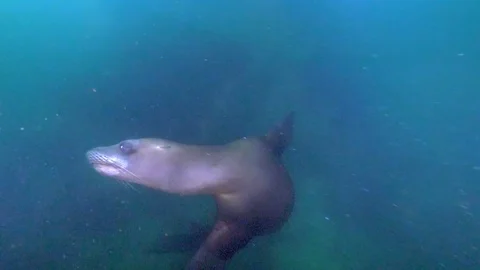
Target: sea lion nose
{"points": [[88, 154], [91, 155]]}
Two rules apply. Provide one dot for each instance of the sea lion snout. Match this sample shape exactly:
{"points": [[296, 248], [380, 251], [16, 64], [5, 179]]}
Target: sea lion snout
{"points": [[106, 163], [111, 160]]}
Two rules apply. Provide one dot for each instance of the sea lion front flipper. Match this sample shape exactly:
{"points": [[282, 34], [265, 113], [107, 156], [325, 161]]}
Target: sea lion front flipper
{"points": [[220, 246], [280, 136]]}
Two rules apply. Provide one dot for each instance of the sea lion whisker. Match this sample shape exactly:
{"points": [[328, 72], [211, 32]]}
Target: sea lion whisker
{"points": [[130, 186], [124, 182], [127, 183]]}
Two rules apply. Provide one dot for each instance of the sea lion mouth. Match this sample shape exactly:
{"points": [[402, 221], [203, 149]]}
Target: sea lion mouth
{"points": [[111, 165], [106, 169], [104, 164]]}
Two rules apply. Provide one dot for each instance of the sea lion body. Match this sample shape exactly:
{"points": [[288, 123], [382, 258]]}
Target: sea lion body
{"points": [[252, 189]]}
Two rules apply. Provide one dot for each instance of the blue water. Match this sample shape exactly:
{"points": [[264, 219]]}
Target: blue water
{"points": [[384, 160]]}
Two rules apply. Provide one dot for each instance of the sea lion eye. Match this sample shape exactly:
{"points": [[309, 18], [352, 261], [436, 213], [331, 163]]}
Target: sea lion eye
{"points": [[126, 148]]}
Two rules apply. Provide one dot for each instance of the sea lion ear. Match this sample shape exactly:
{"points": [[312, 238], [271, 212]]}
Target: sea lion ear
{"points": [[280, 136], [162, 146]]}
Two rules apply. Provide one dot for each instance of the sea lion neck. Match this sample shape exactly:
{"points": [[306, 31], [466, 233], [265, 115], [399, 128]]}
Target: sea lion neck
{"points": [[199, 169]]}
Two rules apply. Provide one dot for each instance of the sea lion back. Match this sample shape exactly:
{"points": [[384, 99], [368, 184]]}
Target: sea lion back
{"points": [[261, 191]]}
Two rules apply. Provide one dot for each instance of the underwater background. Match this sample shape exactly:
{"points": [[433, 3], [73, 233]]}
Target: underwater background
{"points": [[385, 159]]}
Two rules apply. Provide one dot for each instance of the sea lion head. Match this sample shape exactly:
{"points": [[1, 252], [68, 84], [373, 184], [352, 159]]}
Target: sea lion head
{"points": [[135, 160]]}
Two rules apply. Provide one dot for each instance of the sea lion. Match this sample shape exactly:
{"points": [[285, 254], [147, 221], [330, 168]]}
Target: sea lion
{"points": [[253, 191]]}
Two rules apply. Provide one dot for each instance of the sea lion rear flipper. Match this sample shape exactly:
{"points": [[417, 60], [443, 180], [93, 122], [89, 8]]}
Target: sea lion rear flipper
{"points": [[220, 246], [279, 137]]}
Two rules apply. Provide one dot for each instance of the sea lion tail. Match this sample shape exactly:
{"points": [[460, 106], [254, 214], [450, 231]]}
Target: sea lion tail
{"points": [[280, 136]]}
